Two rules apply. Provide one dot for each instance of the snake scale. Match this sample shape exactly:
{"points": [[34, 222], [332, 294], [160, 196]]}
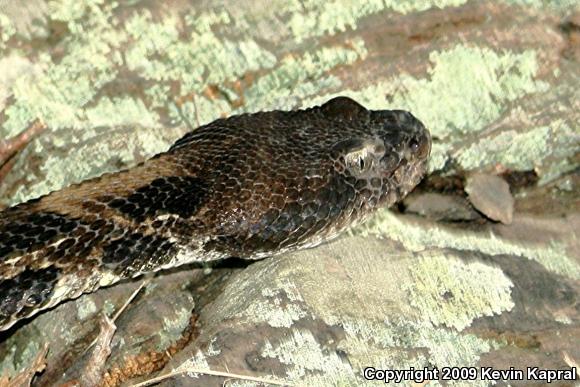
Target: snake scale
{"points": [[248, 186]]}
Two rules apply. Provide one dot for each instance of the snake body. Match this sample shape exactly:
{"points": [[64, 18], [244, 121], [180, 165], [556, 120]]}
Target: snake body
{"points": [[249, 186]]}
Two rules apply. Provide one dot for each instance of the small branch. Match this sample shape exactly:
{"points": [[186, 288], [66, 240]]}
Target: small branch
{"points": [[197, 121], [212, 373], [143, 283], [569, 360], [92, 375], [93, 371], [10, 147]]}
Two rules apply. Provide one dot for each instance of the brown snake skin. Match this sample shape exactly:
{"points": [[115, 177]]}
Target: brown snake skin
{"points": [[248, 186]]}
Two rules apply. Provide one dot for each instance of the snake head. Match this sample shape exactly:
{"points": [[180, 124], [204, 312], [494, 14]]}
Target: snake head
{"points": [[278, 181], [386, 159]]}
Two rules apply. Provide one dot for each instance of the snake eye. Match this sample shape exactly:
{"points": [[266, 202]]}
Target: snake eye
{"points": [[359, 162], [360, 155]]}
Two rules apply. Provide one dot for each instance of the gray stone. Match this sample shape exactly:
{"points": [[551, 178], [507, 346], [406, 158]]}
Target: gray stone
{"points": [[491, 196], [440, 207]]}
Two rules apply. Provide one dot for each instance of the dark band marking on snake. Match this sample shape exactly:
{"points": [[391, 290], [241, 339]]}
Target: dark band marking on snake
{"points": [[249, 186]]}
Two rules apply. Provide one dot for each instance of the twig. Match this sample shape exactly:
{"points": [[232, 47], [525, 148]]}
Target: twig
{"points": [[210, 372], [9, 147], [93, 371], [569, 360], [145, 282], [178, 106], [183, 118], [196, 111]]}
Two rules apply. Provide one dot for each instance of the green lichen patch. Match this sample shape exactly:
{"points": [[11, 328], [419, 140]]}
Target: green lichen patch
{"points": [[301, 76], [368, 309], [545, 149], [276, 303], [303, 354], [447, 349], [199, 360], [275, 310], [86, 307], [64, 87], [453, 293], [119, 111], [294, 77], [553, 171], [67, 91], [384, 301], [414, 345], [173, 328], [109, 308], [316, 18], [416, 237], [439, 157], [158, 53], [200, 111], [466, 89], [281, 307], [12, 67], [71, 10], [514, 150]]}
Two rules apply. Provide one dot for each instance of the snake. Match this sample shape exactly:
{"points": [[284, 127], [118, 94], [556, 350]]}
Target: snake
{"points": [[250, 186]]}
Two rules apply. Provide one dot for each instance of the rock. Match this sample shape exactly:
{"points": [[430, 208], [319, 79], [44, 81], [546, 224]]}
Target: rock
{"points": [[320, 316], [491, 196], [440, 207]]}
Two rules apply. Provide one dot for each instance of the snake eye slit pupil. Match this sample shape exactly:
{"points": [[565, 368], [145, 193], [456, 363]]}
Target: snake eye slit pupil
{"points": [[361, 163]]}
